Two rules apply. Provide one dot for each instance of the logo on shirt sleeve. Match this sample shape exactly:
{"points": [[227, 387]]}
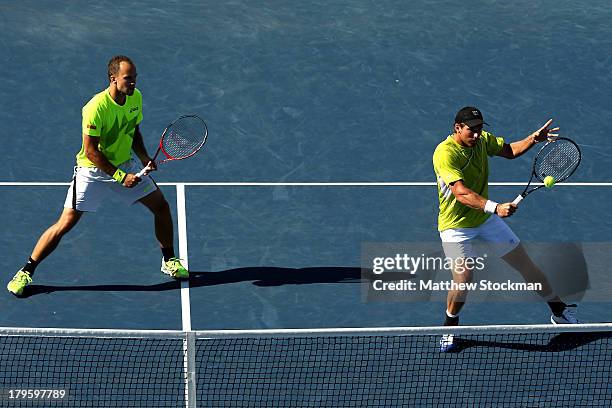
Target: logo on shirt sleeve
{"points": [[92, 127]]}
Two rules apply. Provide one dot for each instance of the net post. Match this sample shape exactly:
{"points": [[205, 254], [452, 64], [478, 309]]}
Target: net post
{"points": [[189, 367]]}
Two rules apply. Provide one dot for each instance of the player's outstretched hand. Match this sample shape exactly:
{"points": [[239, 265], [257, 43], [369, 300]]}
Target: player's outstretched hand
{"points": [[544, 133], [505, 209]]}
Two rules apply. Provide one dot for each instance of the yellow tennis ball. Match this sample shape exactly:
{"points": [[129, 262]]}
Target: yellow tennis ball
{"points": [[549, 181]]}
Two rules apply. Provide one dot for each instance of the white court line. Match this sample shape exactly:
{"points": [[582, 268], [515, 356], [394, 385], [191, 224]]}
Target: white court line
{"points": [[189, 342], [312, 184], [31, 183], [374, 184], [182, 239]]}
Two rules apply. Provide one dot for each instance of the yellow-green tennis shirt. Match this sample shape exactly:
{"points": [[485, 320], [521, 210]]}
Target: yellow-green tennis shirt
{"points": [[114, 124], [453, 162]]}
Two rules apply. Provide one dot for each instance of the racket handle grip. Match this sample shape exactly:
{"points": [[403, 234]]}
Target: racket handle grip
{"points": [[518, 199], [144, 171]]}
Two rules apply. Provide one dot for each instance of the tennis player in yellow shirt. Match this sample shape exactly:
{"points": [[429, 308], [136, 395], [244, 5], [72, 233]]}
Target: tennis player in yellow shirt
{"points": [[466, 213], [104, 166]]}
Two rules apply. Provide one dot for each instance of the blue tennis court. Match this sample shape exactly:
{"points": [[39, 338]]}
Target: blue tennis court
{"points": [[323, 117]]}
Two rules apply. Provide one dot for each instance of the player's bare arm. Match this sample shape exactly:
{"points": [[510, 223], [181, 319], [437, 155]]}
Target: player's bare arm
{"points": [[97, 157], [517, 149], [139, 148], [468, 197]]}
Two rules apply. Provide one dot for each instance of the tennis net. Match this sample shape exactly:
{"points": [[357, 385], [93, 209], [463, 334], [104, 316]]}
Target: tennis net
{"points": [[493, 366]]}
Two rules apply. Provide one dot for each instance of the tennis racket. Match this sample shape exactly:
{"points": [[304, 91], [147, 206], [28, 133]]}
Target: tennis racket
{"points": [[181, 139], [558, 158]]}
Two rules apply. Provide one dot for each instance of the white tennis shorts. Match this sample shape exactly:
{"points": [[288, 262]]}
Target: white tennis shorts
{"points": [[460, 242], [90, 186]]}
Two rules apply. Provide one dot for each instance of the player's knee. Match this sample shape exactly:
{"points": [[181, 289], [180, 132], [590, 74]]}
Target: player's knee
{"points": [[165, 205], [161, 207], [66, 222], [157, 204], [462, 273]]}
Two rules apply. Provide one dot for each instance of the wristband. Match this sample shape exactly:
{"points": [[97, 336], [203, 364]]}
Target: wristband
{"points": [[490, 207], [119, 176]]}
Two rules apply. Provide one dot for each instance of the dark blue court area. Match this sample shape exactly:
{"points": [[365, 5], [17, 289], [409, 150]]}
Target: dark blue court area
{"points": [[293, 91], [350, 96]]}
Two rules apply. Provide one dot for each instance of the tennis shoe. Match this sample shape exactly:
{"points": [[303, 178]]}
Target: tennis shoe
{"points": [[19, 282], [567, 317], [447, 343], [174, 268]]}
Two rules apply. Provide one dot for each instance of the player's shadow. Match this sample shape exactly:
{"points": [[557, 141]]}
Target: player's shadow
{"points": [[557, 343], [275, 276], [259, 276]]}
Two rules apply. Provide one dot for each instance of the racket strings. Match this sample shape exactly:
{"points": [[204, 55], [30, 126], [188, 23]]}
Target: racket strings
{"points": [[184, 137], [558, 161]]}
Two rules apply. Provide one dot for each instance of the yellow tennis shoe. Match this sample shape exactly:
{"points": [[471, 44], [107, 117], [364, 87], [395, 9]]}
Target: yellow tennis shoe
{"points": [[174, 268], [19, 282]]}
